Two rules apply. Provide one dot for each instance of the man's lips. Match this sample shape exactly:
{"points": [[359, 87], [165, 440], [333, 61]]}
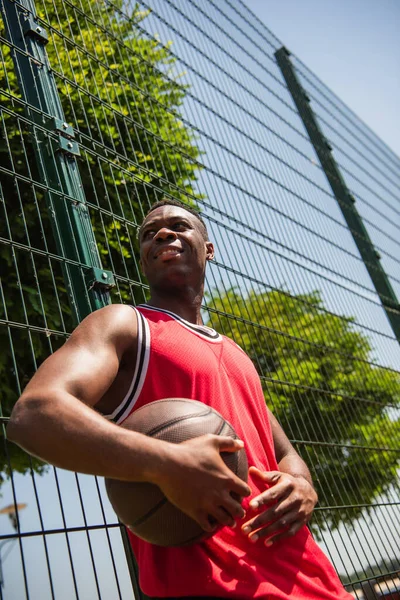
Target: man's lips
{"points": [[167, 252]]}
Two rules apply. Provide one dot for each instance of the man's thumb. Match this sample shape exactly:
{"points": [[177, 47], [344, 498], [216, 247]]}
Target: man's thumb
{"points": [[265, 476], [228, 444]]}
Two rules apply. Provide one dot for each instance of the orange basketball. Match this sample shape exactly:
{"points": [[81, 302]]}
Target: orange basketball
{"points": [[142, 507]]}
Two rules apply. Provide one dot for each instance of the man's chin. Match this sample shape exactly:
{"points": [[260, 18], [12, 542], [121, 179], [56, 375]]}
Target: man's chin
{"points": [[174, 278]]}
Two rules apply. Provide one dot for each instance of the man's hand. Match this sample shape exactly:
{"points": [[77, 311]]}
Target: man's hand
{"points": [[195, 478], [289, 503]]}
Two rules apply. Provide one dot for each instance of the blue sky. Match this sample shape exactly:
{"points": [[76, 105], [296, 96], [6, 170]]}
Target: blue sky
{"points": [[353, 46]]}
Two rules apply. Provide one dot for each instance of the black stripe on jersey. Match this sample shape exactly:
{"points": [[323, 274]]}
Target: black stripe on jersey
{"points": [[200, 329], [140, 372]]}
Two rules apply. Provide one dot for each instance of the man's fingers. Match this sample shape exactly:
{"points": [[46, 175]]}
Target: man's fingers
{"points": [[288, 503], [269, 477], [239, 487], [225, 514], [279, 491], [229, 510], [283, 527], [270, 514], [228, 444], [233, 507], [278, 526], [206, 522], [278, 503], [262, 520], [223, 517], [284, 534]]}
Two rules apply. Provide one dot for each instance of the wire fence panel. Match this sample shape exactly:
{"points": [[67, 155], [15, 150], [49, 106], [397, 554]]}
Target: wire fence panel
{"points": [[185, 100]]}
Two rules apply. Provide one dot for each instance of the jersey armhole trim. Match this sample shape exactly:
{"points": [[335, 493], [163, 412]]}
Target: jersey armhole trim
{"points": [[139, 376]]}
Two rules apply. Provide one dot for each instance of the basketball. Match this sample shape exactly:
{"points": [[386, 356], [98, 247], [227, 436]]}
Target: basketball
{"points": [[142, 507]]}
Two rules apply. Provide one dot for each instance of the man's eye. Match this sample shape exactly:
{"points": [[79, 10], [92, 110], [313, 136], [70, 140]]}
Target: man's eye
{"points": [[180, 225], [149, 233]]}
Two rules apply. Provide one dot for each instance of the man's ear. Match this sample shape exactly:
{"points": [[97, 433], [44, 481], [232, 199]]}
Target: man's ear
{"points": [[209, 250]]}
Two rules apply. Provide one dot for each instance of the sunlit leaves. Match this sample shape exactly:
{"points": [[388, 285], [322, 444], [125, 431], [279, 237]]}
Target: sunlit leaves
{"points": [[341, 411]]}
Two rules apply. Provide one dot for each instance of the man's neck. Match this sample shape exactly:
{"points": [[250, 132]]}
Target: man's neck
{"points": [[187, 306]]}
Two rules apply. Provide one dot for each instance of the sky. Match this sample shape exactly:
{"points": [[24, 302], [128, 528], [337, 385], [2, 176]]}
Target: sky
{"points": [[353, 46]]}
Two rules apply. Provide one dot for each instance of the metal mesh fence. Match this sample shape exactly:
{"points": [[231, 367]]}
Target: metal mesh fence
{"points": [[185, 99]]}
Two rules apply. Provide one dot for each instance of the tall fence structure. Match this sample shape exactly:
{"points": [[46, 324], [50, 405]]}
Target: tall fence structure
{"points": [[107, 107]]}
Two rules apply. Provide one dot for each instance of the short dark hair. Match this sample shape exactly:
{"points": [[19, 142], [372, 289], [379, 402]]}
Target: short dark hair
{"points": [[172, 202]]}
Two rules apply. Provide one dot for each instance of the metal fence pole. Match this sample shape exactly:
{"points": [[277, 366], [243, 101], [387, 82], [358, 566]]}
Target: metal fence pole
{"points": [[341, 192], [88, 284], [56, 151]]}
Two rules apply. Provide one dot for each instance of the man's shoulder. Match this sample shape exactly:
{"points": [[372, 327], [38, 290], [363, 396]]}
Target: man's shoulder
{"points": [[233, 344], [113, 313], [112, 322]]}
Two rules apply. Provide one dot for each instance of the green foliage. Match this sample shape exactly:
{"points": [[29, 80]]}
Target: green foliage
{"points": [[119, 92], [340, 410]]}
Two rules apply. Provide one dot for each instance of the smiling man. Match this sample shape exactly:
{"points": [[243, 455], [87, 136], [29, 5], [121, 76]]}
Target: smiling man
{"points": [[120, 358]]}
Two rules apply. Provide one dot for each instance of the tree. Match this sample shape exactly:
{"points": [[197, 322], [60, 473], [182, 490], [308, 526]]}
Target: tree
{"points": [[337, 407], [119, 91]]}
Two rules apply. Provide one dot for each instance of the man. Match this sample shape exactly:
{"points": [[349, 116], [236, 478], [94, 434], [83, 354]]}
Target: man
{"points": [[118, 359]]}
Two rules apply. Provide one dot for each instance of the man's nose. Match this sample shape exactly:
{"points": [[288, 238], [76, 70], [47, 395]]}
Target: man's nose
{"points": [[164, 233]]}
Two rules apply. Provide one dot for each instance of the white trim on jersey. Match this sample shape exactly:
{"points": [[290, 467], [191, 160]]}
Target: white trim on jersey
{"points": [[139, 376]]}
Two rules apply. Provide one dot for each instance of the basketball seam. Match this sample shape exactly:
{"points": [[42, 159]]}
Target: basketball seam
{"points": [[221, 428], [233, 433], [199, 537], [177, 420], [184, 400], [154, 509]]}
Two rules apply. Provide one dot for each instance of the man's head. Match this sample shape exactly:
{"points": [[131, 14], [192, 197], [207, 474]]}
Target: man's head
{"points": [[174, 247]]}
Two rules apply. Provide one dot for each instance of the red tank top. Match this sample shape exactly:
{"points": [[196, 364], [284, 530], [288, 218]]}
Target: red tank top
{"points": [[182, 360]]}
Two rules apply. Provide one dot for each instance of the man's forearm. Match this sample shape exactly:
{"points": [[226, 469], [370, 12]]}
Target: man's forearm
{"points": [[288, 460], [68, 434], [294, 465]]}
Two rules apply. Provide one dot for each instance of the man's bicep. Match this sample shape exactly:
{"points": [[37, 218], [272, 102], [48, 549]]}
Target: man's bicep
{"points": [[88, 363], [80, 371]]}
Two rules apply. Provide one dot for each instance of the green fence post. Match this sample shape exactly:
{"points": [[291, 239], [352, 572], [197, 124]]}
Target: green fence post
{"points": [[88, 284], [56, 150], [341, 192]]}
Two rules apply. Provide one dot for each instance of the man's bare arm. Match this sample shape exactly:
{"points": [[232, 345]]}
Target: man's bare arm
{"points": [[286, 456], [54, 419]]}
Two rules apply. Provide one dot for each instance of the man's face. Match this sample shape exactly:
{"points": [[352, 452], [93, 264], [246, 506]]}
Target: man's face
{"points": [[173, 250]]}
